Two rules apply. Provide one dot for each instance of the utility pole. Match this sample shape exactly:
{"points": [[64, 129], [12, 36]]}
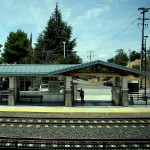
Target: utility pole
{"points": [[148, 65], [144, 26], [90, 55], [145, 69]]}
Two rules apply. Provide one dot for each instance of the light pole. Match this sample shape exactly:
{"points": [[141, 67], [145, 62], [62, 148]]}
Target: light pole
{"points": [[1, 54], [64, 48]]}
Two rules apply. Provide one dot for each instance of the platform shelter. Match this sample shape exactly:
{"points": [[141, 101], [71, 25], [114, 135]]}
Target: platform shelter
{"points": [[64, 73]]}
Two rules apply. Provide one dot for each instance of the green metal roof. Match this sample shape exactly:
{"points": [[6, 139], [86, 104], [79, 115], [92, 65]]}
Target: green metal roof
{"points": [[121, 69], [29, 69], [54, 69]]}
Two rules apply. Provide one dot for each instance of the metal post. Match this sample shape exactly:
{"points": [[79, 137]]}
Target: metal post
{"points": [[145, 97], [64, 48]]}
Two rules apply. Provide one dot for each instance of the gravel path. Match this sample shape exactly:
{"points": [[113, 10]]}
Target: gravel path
{"points": [[79, 131]]}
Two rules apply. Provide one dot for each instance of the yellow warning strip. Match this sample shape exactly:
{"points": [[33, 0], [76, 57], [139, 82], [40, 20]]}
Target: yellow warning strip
{"points": [[83, 110]]}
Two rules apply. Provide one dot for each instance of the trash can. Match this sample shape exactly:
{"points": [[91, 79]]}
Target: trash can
{"points": [[133, 86]]}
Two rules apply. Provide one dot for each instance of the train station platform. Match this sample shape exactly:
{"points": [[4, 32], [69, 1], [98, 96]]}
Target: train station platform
{"points": [[78, 111]]}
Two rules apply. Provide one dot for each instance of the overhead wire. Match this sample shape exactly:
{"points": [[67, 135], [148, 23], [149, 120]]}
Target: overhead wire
{"points": [[123, 33], [120, 38], [115, 36], [117, 31], [120, 29]]}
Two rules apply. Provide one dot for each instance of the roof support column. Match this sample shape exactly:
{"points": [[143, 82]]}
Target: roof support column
{"points": [[116, 92], [17, 89], [12, 91], [117, 81], [124, 95], [68, 96]]}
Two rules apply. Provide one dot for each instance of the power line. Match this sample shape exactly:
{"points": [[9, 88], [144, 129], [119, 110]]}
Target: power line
{"points": [[121, 33], [118, 30], [122, 36]]}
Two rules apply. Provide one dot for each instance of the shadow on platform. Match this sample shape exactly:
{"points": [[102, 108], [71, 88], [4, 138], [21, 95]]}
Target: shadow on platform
{"points": [[76, 103]]}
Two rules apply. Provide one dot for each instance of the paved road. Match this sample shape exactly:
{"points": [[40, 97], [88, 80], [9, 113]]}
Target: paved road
{"points": [[94, 91]]}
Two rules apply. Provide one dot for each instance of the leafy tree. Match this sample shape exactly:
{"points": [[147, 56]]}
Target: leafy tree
{"points": [[134, 55], [111, 60], [17, 48], [49, 47], [120, 58], [136, 67]]}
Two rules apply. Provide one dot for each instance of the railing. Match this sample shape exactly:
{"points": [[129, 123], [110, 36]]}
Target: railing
{"points": [[3, 95], [79, 143], [136, 97]]}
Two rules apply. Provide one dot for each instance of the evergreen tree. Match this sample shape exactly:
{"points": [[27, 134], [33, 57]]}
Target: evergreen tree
{"points": [[16, 48], [49, 47]]}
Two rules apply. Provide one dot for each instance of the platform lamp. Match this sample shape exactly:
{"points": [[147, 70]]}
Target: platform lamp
{"points": [[145, 97]]}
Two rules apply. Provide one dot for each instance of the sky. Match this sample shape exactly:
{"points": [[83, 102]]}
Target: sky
{"points": [[99, 26]]}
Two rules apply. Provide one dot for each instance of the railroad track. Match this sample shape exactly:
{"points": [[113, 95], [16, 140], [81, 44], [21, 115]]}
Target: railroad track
{"points": [[72, 144], [70, 129], [78, 121]]}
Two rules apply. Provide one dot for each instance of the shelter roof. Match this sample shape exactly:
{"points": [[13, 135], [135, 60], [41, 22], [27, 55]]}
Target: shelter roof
{"points": [[55, 69]]}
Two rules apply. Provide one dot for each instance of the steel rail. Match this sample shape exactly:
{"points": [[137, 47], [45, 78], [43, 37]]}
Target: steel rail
{"points": [[75, 139], [93, 143], [68, 121], [29, 117], [77, 124]]}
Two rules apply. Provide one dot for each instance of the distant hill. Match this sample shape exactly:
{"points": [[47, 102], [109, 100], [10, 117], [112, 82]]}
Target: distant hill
{"points": [[134, 63]]}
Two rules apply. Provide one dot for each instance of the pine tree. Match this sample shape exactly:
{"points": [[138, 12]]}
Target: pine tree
{"points": [[49, 47]]}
